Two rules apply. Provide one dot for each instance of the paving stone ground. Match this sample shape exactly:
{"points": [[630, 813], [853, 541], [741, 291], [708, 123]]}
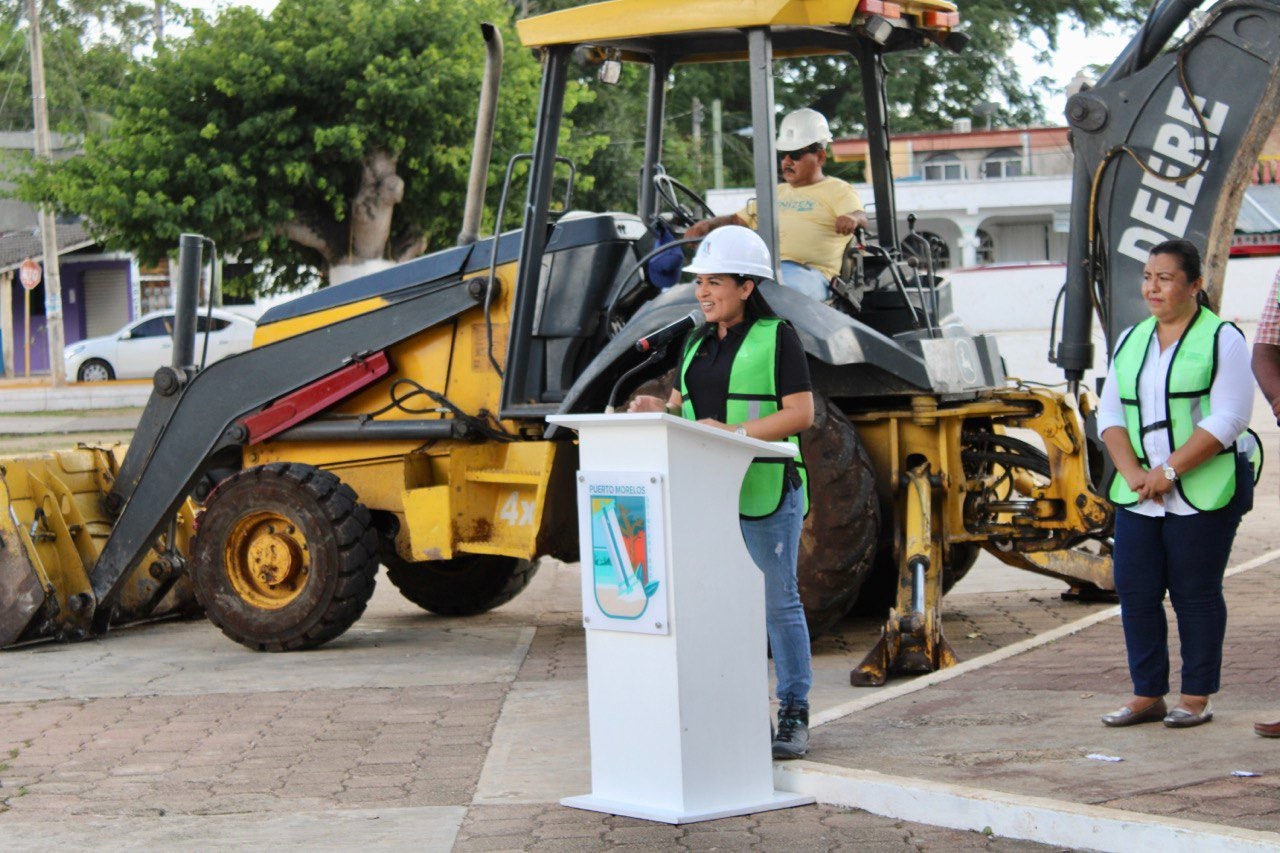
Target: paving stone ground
{"points": [[132, 742], [271, 750], [1029, 724]]}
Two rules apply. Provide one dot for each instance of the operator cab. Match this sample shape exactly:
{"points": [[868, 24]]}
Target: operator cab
{"points": [[571, 306]]}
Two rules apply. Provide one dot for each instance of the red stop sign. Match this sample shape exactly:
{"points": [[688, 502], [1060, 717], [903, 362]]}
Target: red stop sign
{"points": [[29, 274]]}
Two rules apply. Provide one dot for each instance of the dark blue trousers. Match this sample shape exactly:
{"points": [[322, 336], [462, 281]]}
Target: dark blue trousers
{"points": [[1185, 555]]}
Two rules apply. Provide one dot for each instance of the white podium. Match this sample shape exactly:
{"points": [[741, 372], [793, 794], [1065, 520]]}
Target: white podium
{"points": [[677, 673]]}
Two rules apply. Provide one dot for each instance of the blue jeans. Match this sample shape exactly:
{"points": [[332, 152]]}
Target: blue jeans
{"points": [[774, 544], [1186, 555], [806, 280]]}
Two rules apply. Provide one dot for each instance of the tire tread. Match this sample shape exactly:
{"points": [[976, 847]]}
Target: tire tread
{"points": [[356, 562]]}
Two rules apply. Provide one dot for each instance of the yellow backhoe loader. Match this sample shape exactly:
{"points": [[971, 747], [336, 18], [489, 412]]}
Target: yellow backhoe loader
{"points": [[399, 419]]}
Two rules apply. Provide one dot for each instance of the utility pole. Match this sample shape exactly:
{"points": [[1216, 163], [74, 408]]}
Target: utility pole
{"points": [[697, 139], [717, 144], [48, 228]]}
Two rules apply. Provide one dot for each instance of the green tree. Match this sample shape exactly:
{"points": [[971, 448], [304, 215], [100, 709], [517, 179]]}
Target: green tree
{"points": [[329, 133], [928, 90], [89, 48]]}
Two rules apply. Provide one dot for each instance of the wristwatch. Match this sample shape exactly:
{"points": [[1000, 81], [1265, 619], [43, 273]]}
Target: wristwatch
{"points": [[740, 429], [1170, 473]]}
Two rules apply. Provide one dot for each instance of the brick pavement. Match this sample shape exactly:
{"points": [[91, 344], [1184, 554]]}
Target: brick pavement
{"points": [[1027, 726], [187, 762], [307, 749], [554, 829]]}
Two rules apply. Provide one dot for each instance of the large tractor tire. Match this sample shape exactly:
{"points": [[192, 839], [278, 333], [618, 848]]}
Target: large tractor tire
{"points": [[285, 557], [838, 544], [464, 586]]}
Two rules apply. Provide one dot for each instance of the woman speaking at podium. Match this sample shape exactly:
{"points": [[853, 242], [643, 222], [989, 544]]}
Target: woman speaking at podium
{"points": [[745, 372]]}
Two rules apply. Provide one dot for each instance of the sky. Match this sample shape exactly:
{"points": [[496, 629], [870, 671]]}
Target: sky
{"points": [[1076, 50]]}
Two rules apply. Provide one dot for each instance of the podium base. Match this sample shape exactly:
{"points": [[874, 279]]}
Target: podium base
{"points": [[592, 803]]}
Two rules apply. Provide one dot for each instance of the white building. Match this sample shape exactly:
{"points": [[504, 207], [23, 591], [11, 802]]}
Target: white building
{"points": [[1003, 196]]}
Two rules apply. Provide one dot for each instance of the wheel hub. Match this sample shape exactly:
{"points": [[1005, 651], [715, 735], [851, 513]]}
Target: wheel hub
{"points": [[266, 560]]}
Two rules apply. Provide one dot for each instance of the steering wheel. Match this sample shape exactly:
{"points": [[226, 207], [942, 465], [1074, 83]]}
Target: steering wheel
{"points": [[684, 212]]}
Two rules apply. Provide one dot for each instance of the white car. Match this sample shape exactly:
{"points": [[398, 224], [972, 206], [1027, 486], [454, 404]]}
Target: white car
{"points": [[138, 349]]}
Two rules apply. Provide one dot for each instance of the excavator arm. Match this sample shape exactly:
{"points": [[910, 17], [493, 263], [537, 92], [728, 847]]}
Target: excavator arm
{"points": [[1165, 145]]}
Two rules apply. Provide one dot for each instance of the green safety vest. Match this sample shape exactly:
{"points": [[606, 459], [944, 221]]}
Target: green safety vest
{"points": [[753, 393], [1211, 484]]}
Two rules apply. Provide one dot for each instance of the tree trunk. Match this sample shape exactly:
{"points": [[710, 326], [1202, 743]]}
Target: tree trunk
{"points": [[362, 246], [381, 189]]}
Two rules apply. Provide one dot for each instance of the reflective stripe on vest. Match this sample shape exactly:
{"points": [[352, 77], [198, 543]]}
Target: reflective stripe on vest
{"points": [[753, 394], [1211, 484]]}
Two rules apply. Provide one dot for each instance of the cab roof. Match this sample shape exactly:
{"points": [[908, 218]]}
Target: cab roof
{"points": [[711, 30]]}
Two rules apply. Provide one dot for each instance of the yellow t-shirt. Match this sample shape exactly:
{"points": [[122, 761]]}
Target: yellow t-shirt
{"points": [[807, 222]]}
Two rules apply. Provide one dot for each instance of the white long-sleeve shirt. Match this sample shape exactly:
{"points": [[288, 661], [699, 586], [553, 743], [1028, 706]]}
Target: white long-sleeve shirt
{"points": [[1230, 406]]}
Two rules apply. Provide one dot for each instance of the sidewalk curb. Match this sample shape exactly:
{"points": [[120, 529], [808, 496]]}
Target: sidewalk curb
{"points": [[1025, 818], [81, 396]]}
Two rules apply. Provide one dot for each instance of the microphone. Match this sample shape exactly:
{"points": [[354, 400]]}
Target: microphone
{"points": [[661, 337]]}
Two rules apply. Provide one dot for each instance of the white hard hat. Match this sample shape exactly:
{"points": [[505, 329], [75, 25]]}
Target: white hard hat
{"points": [[801, 129], [732, 249]]}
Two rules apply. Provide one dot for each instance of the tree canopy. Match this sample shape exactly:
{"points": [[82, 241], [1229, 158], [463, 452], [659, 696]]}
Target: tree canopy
{"points": [[89, 48], [334, 131], [329, 132]]}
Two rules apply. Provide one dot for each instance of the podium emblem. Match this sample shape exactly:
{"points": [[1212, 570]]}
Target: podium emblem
{"points": [[624, 586]]}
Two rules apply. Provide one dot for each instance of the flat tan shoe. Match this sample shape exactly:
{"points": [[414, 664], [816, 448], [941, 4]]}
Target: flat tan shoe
{"points": [[1181, 718], [1127, 717]]}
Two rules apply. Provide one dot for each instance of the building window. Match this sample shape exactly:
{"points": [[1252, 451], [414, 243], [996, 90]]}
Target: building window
{"points": [[156, 294], [943, 167], [1005, 163], [986, 248]]}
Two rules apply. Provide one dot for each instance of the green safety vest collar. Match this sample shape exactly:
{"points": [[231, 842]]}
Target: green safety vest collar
{"points": [[753, 393]]}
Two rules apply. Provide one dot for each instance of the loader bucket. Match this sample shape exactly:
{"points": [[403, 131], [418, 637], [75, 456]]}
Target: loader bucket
{"points": [[53, 524]]}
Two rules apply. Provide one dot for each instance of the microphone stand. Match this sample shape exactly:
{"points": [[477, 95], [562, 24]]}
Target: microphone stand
{"points": [[654, 356]]}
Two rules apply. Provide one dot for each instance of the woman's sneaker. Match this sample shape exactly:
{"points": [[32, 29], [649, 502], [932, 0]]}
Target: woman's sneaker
{"points": [[792, 737]]}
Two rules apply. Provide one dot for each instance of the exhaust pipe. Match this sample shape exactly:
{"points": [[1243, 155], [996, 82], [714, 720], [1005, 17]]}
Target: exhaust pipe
{"points": [[482, 147], [190, 247]]}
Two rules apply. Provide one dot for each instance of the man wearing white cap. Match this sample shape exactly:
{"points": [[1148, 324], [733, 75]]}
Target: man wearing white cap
{"points": [[816, 213]]}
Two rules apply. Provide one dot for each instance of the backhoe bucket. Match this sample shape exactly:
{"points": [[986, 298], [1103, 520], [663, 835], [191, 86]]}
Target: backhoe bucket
{"points": [[53, 523]]}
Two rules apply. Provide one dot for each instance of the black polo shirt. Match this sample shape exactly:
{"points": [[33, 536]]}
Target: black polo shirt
{"points": [[707, 379]]}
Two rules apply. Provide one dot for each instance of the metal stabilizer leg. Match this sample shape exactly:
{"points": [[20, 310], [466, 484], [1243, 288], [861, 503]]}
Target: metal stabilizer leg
{"points": [[912, 640]]}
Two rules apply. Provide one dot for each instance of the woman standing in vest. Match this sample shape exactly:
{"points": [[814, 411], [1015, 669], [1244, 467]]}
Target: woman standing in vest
{"points": [[746, 372], [1177, 397]]}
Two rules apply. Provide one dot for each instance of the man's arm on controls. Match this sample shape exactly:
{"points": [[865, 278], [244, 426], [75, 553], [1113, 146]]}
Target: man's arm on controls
{"points": [[847, 223]]}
